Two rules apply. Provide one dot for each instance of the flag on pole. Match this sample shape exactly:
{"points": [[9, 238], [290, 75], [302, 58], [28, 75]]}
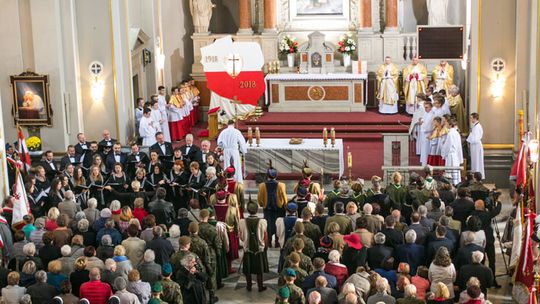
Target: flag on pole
{"points": [[23, 150], [517, 235], [20, 206], [519, 169], [532, 297], [524, 270]]}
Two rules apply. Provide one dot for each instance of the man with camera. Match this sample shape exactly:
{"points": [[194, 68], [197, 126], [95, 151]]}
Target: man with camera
{"points": [[486, 211]]}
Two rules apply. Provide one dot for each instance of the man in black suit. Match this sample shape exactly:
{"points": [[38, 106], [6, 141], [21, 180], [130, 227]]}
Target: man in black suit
{"points": [[393, 237], [421, 232], [89, 156], [328, 295], [202, 153], [463, 205], [135, 159], [440, 241], [190, 152], [451, 234], [464, 254], [164, 150], [475, 269], [81, 147], [107, 142], [69, 158], [379, 252], [116, 157], [161, 209], [49, 165]]}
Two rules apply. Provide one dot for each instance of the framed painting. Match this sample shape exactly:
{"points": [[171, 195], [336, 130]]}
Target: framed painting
{"points": [[31, 104], [321, 15], [319, 8]]}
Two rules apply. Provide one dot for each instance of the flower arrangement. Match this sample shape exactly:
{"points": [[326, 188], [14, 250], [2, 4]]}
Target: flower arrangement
{"points": [[33, 143], [346, 45], [288, 45]]}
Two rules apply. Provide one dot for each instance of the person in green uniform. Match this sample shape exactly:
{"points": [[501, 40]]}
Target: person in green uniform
{"points": [[253, 233], [156, 294], [396, 191], [221, 228], [296, 295], [311, 230], [332, 194], [201, 249], [309, 246], [209, 234], [293, 262], [282, 296], [171, 293], [305, 261], [176, 258], [358, 194]]}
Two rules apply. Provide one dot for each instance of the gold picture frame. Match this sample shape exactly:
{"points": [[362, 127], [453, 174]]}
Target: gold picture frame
{"points": [[31, 103]]}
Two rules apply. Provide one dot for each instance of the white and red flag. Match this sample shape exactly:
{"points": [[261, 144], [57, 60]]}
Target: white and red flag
{"points": [[234, 69], [23, 150]]}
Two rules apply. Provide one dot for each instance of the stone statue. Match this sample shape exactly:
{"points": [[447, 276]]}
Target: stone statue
{"points": [[437, 12], [201, 12]]}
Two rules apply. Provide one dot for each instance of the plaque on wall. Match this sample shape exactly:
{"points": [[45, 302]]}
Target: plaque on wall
{"points": [[440, 42]]}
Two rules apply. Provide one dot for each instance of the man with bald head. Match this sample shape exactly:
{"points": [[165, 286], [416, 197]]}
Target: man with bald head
{"points": [[106, 144], [325, 293], [94, 290]]}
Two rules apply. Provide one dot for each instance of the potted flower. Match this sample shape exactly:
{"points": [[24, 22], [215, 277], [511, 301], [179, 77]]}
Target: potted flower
{"points": [[347, 46], [288, 46], [33, 144]]}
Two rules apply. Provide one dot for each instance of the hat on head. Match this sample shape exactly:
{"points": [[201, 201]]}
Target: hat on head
{"points": [[302, 191], [105, 213], [291, 206], [8, 145], [290, 272], [271, 172], [353, 240], [326, 241], [166, 269], [305, 183], [221, 195], [252, 207], [284, 292], [154, 301], [157, 287], [230, 171]]}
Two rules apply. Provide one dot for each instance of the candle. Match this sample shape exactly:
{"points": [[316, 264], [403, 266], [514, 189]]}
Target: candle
{"points": [[325, 136], [349, 159], [250, 136], [332, 137], [257, 136]]}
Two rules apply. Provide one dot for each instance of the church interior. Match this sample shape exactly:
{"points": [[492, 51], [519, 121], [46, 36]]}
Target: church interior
{"points": [[353, 90]]}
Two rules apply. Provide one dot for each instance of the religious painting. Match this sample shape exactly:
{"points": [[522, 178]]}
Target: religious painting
{"points": [[319, 8], [31, 105]]}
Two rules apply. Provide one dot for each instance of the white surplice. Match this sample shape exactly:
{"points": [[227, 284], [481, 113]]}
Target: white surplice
{"points": [[424, 131], [233, 142], [147, 131], [162, 103], [412, 105], [453, 154], [477, 150], [387, 84], [156, 117]]}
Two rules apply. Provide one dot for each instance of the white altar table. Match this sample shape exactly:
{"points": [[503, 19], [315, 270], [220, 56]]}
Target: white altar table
{"points": [[338, 92], [287, 158]]}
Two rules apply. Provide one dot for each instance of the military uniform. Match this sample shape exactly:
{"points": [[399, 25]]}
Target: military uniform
{"points": [[301, 275], [344, 222], [209, 234], [313, 232], [296, 294], [200, 248], [305, 264], [309, 247], [172, 293]]}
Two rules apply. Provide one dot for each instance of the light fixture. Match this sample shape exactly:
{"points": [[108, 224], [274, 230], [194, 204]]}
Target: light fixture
{"points": [[160, 61], [97, 89], [497, 86], [533, 150]]}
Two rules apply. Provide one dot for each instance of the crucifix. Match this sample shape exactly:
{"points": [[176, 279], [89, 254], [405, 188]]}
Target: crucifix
{"points": [[234, 61]]}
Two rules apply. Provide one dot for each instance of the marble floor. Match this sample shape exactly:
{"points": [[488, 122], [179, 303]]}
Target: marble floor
{"points": [[235, 291]]}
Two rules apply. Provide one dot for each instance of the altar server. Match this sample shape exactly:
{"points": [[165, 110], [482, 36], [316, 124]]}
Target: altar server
{"points": [[162, 102], [387, 82], [148, 128], [232, 142], [177, 119], [415, 78], [475, 144], [426, 127], [452, 152]]}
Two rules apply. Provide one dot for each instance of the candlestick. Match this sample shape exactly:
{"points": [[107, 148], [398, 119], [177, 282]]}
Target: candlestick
{"points": [[333, 137], [250, 136], [349, 159], [325, 137], [257, 136]]}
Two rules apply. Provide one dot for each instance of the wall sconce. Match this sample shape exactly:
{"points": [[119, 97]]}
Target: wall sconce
{"points": [[146, 57], [497, 85], [533, 150], [97, 89]]}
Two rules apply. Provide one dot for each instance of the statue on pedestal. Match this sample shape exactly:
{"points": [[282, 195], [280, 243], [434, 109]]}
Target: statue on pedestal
{"points": [[201, 12], [437, 12]]}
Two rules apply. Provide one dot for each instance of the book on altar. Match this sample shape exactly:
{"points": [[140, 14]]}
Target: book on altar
{"points": [[359, 67]]}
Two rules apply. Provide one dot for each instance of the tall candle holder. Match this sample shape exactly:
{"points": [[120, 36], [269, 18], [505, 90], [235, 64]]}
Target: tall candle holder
{"points": [[333, 137], [325, 137], [250, 136], [257, 136]]}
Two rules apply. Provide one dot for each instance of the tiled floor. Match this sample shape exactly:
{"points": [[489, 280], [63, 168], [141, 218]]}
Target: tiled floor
{"points": [[235, 291]]}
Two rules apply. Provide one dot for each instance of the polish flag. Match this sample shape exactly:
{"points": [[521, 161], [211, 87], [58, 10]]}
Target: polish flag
{"points": [[20, 206], [234, 70], [23, 150]]}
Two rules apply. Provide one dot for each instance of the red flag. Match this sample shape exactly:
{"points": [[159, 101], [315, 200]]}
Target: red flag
{"points": [[23, 150], [524, 269], [519, 169], [532, 297]]}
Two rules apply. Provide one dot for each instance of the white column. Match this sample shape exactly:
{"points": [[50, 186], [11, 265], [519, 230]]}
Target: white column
{"points": [[474, 77], [4, 191]]}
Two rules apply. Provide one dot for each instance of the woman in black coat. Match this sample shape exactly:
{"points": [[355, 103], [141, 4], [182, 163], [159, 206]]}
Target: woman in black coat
{"points": [[192, 280]]}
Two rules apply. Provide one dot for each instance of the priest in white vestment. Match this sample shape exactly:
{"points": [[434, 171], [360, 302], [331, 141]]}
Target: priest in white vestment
{"points": [[452, 151], [475, 145], [387, 83], [426, 127], [233, 142], [148, 128], [443, 76], [162, 102], [415, 82]]}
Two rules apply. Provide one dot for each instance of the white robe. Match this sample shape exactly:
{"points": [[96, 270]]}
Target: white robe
{"points": [[233, 142], [156, 117], [453, 154], [412, 105], [476, 148], [162, 103], [387, 83], [147, 131], [414, 128], [424, 131]]}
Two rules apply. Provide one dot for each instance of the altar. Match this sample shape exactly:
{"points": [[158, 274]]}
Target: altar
{"points": [[340, 92], [287, 158]]}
